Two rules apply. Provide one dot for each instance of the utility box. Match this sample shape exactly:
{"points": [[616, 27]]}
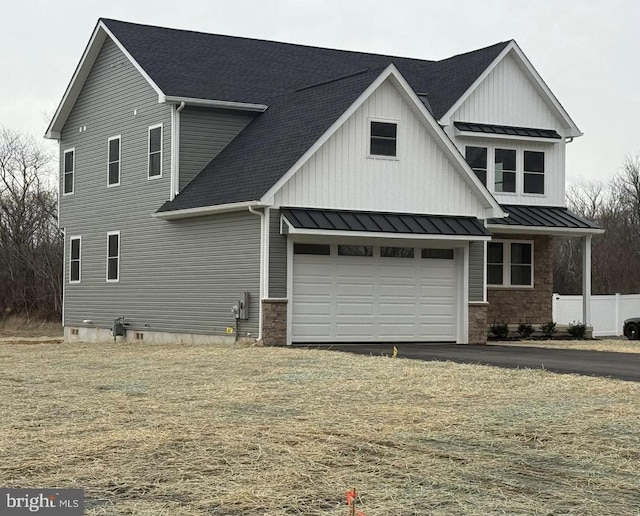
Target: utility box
{"points": [[118, 327], [243, 305]]}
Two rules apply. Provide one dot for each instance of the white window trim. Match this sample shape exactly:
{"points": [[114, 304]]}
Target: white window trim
{"points": [[506, 264], [111, 233], [491, 167], [150, 128], [384, 121], [73, 182], [71, 239], [109, 140]]}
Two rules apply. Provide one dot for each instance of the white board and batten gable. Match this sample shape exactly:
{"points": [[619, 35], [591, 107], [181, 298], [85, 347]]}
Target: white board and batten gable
{"points": [[428, 175], [511, 93]]}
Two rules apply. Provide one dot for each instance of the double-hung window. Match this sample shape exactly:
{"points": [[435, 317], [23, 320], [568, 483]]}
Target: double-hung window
{"points": [[505, 170], [75, 260], [69, 166], [534, 172], [477, 159], [384, 139], [510, 264], [113, 256], [113, 167], [155, 151]]}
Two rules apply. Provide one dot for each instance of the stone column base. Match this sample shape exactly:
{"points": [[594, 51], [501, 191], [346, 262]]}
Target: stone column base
{"points": [[478, 323], [274, 322]]}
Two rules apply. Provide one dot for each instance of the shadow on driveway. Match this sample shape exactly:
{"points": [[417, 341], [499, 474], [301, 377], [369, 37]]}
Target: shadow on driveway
{"points": [[623, 366]]}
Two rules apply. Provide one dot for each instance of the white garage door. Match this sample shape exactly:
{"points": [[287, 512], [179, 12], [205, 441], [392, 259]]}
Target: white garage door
{"points": [[382, 297]]}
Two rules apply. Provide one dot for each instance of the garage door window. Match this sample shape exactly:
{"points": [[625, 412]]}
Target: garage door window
{"points": [[355, 250], [438, 254], [396, 252], [319, 249]]}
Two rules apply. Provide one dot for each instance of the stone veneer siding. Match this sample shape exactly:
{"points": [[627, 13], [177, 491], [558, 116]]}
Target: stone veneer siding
{"points": [[274, 322], [525, 305], [478, 323]]}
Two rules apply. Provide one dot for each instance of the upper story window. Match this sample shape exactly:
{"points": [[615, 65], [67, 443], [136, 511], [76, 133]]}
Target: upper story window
{"points": [[505, 170], [534, 172], [477, 159], [113, 256], [383, 139], [510, 263], [155, 151], [113, 168], [75, 245], [511, 170], [69, 166]]}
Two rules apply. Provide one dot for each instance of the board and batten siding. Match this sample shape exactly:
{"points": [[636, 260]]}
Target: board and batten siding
{"points": [[340, 174], [277, 257], [204, 132], [175, 276], [476, 271], [507, 96]]}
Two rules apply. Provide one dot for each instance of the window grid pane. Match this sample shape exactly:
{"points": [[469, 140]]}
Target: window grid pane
{"points": [[505, 170], [383, 139], [396, 252]]}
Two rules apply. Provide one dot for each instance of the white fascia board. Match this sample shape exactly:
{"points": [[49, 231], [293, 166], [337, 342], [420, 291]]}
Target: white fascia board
{"points": [[450, 149], [221, 104], [539, 230], [551, 99], [100, 34], [474, 134], [206, 210]]}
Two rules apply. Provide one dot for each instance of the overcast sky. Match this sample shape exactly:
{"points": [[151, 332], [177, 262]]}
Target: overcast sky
{"points": [[588, 52]]}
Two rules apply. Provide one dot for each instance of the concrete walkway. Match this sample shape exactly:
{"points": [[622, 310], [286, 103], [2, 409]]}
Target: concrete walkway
{"points": [[623, 366]]}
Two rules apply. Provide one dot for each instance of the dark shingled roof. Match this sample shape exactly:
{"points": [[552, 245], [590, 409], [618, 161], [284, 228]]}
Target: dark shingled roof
{"points": [[210, 66], [306, 89], [542, 216], [507, 130], [378, 222]]}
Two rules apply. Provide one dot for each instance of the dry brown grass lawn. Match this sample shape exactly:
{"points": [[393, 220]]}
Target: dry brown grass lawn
{"points": [[19, 327], [222, 430], [619, 345]]}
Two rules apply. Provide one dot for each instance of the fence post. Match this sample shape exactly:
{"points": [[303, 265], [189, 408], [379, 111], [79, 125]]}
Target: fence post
{"points": [[618, 321], [554, 307]]}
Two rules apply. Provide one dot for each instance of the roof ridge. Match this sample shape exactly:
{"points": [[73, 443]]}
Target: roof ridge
{"points": [[338, 79]]}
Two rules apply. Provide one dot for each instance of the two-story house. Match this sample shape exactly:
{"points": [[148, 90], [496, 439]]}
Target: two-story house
{"points": [[325, 195]]}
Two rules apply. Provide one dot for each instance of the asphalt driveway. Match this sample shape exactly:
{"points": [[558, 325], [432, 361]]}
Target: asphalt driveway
{"points": [[623, 366]]}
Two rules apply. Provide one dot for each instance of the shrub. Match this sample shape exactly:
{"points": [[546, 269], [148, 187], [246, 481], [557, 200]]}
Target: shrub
{"points": [[525, 330], [548, 329], [577, 330], [500, 330]]}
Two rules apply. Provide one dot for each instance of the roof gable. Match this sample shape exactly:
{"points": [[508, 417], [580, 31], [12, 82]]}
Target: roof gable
{"points": [[513, 51], [274, 147]]}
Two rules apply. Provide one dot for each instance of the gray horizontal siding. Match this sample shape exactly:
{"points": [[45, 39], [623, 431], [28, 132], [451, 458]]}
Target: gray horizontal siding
{"points": [[277, 257], [476, 271], [204, 133], [180, 276]]}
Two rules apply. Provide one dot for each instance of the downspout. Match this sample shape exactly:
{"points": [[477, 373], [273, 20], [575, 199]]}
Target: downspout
{"points": [[263, 252], [175, 149]]}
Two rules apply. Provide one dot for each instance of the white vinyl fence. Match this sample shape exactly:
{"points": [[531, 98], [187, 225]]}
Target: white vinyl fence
{"points": [[607, 312]]}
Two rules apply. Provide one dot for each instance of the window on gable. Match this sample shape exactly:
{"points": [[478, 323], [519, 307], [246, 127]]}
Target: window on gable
{"points": [[505, 170], [155, 151], [74, 259], [383, 139], [477, 159], [68, 171], [113, 256], [534, 172], [510, 264], [113, 172]]}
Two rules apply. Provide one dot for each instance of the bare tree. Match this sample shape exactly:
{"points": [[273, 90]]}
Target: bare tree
{"points": [[30, 242]]}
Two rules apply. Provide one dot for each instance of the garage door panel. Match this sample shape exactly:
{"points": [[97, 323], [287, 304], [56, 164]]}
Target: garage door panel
{"points": [[338, 298]]}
